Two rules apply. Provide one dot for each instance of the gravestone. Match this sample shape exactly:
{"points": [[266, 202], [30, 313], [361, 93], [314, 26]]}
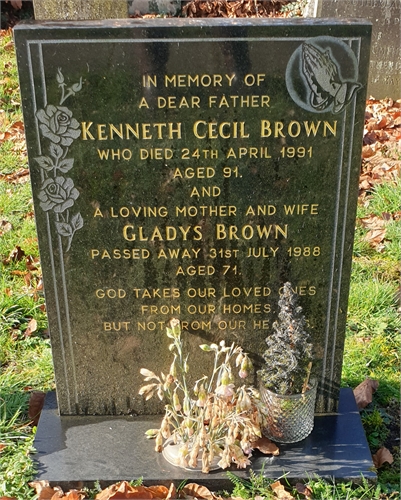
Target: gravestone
{"points": [[189, 169], [385, 61], [73, 10]]}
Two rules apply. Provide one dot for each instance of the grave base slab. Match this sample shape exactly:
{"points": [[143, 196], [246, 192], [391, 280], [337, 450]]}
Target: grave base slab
{"points": [[76, 451]]}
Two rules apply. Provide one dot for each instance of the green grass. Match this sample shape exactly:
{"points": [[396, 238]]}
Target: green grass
{"points": [[372, 337], [373, 340], [384, 202], [258, 486], [25, 362]]}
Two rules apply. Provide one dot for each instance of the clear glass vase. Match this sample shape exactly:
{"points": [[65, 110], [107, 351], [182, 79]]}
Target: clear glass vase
{"points": [[290, 418]]}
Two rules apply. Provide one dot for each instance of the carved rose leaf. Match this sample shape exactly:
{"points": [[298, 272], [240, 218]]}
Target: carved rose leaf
{"points": [[57, 194], [64, 229], [45, 162], [58, 125], [56, 151], [66, 164], [76, 222]]}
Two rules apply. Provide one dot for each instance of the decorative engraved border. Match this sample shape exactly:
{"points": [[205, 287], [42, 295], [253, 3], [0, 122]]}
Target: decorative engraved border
{"points": [[330, 340]]}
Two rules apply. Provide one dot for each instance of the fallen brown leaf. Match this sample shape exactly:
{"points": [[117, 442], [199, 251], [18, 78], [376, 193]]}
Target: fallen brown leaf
{"points": [[19, 125], [31, 263], [304, 490], [364, 391], [382, 146], [280, 491], [159, 491], [59, 494], [20, 176], [264, 445], [27, 278], [372, 222], [381, 456], [375, 237], [5, 226], [36, 400], [8, 498], [2, 446], [31, 328], [172, 492], [367, 151], [16, 255], [43, 489], [71, 495], [124, 490], [241, 8], [197, 491]]}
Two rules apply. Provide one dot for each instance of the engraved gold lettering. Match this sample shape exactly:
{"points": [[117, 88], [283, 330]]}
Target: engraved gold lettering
{"points": [[85, 131], [261, 210], [213, 130], [201, 292], [248, 232], [172, 102], [211, 191], [233, 101], [252, 291], [301, 290], [143, 103], [201, 309], [207, 210], [261, 325], [263, 252], [115, 326], [232, 325], [156, 153], [148, 80], [168, 233], [118, 253], [198, 172], [159, 293], [205, 80], [110, 293], [195, 271], [146, 131], [118, 131], [175, 253], [295, 128], [301, 209], [245, 308], [163, 309]]}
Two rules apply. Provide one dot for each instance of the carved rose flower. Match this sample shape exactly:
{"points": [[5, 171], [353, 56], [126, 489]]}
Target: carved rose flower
{"points": [[57, 124], [57, 194]]}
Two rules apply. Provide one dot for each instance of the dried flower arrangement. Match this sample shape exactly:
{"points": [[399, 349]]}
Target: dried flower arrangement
{"points": [[212, 419], [288, 356]]}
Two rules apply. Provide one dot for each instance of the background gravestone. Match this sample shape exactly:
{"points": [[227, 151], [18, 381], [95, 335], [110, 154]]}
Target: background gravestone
{"points": [[72, 10], [385, 59], [190, 169]]}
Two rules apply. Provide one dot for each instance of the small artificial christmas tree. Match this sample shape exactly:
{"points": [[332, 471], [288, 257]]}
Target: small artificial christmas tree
{"points": [[288, 355]]}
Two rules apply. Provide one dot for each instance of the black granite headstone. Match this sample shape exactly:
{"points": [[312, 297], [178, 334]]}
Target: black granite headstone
{"points": [[385, 62], [190, 168]]}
